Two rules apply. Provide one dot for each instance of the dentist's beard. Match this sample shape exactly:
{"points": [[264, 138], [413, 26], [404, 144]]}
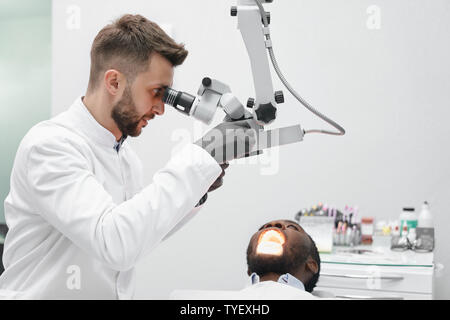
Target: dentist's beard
{"points": [[125, 115]]}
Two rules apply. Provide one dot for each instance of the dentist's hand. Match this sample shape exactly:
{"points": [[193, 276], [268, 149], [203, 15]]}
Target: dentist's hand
{"points": [[219, 182], [216, 185], [229, 140]]}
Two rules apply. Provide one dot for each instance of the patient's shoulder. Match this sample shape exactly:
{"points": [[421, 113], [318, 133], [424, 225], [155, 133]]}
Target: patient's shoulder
{"points": [[265, 290], [271, 290]]}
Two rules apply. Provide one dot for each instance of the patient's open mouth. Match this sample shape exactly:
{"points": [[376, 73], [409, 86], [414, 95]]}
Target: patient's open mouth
{"points": [[271, 242]]}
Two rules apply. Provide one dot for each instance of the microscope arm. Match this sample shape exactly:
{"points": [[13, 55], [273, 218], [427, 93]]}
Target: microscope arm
{"points": [[253, 33]]}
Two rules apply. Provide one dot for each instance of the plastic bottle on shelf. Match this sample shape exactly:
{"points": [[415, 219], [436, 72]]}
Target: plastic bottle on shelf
{"points": [[409, 216], [412, 235], [357, 224], [404, 235], [425, 219], [396, 231], [395, 238]]}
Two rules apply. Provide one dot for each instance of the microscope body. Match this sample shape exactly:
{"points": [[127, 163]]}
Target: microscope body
{"points": [[260, 110]]}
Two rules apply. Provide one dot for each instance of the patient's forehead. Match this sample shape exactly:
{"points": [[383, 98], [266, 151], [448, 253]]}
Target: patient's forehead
{"points": [[293, 222], [284, 221]]}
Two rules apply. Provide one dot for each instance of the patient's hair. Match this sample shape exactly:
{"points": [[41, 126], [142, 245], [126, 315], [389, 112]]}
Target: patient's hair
{"points": [[127, 44], [314, 253], [316, 257]]}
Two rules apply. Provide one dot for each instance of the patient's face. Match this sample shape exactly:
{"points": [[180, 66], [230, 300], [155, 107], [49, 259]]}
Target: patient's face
{"points": [[279, 246]]}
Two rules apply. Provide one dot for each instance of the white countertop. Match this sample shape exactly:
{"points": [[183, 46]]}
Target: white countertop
{"points": [[377, 255]]}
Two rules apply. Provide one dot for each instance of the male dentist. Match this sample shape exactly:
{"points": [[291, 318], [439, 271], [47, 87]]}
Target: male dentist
{"points": [[78, 214]]}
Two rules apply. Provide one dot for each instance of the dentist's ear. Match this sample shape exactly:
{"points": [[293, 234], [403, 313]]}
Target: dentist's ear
{"points": [[112, 81]]}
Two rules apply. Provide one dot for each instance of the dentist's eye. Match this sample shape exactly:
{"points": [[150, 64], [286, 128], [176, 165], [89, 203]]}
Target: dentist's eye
{"points": [[159, 92]]}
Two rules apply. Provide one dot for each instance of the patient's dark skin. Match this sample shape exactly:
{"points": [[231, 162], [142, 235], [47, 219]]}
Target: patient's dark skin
{"points": [[296, 240]]}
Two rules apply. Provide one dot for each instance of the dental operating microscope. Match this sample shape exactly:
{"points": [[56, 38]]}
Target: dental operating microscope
{"points": [[260, 110]]}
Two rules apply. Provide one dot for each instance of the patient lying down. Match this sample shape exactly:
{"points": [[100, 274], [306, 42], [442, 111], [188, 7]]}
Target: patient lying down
{"points": [[281, 253], [283, 263]]}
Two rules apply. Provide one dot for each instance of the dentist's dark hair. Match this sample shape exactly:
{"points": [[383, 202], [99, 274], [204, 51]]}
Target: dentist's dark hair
{"points": [[126, 45]]}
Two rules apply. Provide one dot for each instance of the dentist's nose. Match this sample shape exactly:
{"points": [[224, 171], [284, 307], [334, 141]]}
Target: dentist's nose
{"points": [[158, 108]]}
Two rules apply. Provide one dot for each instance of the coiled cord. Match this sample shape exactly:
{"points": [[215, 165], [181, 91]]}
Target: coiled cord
{"points": [[292, 91]]}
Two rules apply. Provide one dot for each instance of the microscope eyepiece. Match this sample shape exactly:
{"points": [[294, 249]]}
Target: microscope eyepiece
{"points": [[181, 101]]}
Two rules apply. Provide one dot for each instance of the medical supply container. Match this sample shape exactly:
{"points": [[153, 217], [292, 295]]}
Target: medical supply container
{"points": [[409, 216], [367, 230]]}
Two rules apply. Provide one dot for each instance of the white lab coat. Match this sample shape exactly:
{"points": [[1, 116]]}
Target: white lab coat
{"points": [[79, 218]]}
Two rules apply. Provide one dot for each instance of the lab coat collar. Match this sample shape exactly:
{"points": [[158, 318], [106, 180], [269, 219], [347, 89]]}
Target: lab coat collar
{"points": [[94, 130], [118, 144], [286, 278]]}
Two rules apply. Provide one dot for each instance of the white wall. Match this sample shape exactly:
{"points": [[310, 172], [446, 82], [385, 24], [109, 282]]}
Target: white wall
{"points": [[389, 88]]}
